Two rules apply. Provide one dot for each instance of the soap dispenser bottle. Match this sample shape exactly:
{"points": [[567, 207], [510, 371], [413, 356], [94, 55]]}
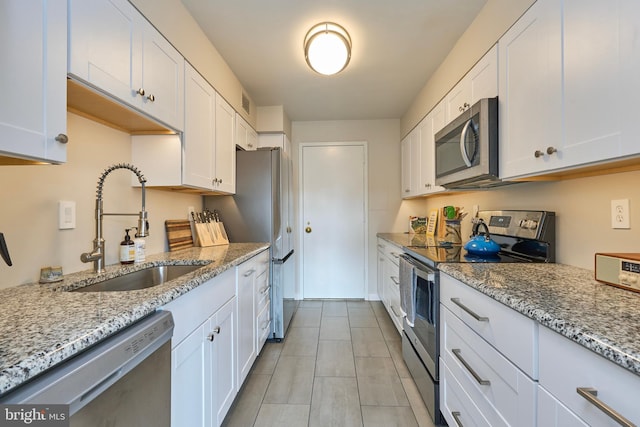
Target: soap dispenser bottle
{"points": [[127, 249], [140, 246]]}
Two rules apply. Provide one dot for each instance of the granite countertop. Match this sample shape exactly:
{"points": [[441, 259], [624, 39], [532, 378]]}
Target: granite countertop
{"points": [[566, 299], [42, 325]]}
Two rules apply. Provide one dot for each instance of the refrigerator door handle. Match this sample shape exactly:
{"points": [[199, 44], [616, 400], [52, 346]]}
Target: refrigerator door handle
{"points": [[282, 260]]}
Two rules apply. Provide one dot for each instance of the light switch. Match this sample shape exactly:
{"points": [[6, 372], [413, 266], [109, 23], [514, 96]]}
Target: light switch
{"points": [[66, 215]]}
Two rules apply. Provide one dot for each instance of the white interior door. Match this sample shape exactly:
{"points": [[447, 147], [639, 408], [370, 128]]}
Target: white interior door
{"points": [[333, 194]]}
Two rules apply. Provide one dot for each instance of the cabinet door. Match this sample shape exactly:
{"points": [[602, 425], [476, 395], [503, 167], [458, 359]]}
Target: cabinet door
{"points": [[530, 81], [438, 117], [199, 131], [405, 148], [552, 413], [225, 147], [246, 137], [483, 77], [162, 77], [246, 319], [458, 99], [33, 84], [105, 46], [630, 69], [191, 380], [593, 85], [223, 360], [380, 275], [427, 183]]}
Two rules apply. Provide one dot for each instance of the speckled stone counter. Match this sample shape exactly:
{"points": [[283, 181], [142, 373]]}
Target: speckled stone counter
{"points": [[42, 325], [563, 298]]}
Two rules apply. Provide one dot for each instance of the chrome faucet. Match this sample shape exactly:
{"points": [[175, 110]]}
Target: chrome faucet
{"points": [[97, 255]]}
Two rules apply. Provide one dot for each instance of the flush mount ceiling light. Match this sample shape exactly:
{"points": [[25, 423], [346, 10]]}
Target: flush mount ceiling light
{"points": [[327, 48]]}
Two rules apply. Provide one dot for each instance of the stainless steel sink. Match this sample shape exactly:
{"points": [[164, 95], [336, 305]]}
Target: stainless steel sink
{"points": [[141, 279]]}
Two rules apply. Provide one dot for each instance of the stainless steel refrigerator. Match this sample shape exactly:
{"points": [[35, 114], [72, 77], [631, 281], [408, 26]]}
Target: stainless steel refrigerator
{"points": [[255, 214]]}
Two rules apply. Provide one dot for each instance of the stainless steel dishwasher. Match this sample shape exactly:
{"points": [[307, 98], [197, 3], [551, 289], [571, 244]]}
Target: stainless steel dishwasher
{"points": [[123, 381]]}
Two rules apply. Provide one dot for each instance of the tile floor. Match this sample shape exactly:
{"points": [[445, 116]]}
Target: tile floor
{"points": [[339, 365]]}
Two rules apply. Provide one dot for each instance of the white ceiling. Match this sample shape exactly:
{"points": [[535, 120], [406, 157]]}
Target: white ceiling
{"points": [[397, 45]]}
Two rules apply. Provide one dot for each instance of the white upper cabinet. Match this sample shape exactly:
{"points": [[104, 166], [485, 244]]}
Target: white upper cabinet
{"points": [[427, 181], [530, 88], [205, 158], [33, 116], [568, 80], [405, 157], [225, 153], [113, 48], [246, 137], [480, 82]]}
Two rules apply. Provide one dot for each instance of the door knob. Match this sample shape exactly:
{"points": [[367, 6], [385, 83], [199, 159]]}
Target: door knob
{"points": [[307, 230]]}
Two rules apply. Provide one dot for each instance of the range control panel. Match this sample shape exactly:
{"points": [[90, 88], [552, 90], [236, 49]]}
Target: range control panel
{"points": [[619, 269]]}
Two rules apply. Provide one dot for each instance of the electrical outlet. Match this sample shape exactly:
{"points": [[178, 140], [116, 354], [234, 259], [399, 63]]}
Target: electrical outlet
{"points": [[620, 213]]}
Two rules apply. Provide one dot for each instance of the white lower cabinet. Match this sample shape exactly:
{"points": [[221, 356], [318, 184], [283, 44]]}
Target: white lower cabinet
{"points": [[203, 375], [552, 413], [389, 281], [487, 351], [581, 380]]}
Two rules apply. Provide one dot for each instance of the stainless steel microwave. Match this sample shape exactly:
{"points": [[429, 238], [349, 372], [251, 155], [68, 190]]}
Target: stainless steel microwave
{"points": [[466, 150]]}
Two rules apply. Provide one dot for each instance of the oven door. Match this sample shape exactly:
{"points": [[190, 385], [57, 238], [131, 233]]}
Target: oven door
{"points": [[424, 332]]}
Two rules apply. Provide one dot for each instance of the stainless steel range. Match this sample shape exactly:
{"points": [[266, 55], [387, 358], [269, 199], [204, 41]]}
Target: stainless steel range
{"points": [[523, 236]]}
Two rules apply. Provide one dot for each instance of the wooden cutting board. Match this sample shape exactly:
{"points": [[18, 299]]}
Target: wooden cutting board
{"points": [[178, 234]]}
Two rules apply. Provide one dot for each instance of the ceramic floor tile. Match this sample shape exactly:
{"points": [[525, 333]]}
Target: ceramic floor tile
{"points": [[301, 342], [267, 359], [417, 404], [335, 359], [368, 342], [272, 415], [378, 308], [335, 403], [311, 303], [307, 317], [292, 381], [334, 308], [335, 328], [388, 328], [245, 409], [379, 383], [388, 416], [358, 304]]}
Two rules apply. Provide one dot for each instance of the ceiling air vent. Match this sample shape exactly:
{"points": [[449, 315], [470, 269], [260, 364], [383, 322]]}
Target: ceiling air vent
{"points": [[246, 103]]}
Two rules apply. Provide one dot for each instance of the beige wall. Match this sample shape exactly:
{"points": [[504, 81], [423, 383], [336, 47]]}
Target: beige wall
{"points": [[173, 20], [492, 22], [383, 148], [30, 195], [582, 207]]}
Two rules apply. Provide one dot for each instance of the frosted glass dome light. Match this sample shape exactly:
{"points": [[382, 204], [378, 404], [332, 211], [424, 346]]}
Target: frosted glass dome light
{"points": [[327, 48]]}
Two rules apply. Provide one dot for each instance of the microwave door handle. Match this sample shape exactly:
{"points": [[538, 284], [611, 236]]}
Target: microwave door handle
{"points": [[463, 136]]}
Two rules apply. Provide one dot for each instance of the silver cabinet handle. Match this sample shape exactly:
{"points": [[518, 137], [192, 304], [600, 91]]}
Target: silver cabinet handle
{"points": [[457, 302], [264, 290], [211, 337], [141, 92], [458, 354], [591, 394], [456, 418], [538, 154], [551, 150], [249, 273], [395, 254], [216, 330], [395, 280], [62, 138], [151, 98]]}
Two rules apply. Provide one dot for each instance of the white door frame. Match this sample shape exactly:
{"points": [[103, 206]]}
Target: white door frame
{"points": [[363, 144]]}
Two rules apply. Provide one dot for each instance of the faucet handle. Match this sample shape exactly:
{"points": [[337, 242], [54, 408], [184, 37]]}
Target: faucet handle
{"points": [[4, 251]]}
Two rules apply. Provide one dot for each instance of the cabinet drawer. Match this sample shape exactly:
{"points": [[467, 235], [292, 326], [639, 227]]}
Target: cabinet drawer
{"points": [[193, 308], [263, 325], [262, 291], [394, 309], [392, 252], [514, 335], [565, 366], [455, 404], [494, 383], [552, 413]]}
